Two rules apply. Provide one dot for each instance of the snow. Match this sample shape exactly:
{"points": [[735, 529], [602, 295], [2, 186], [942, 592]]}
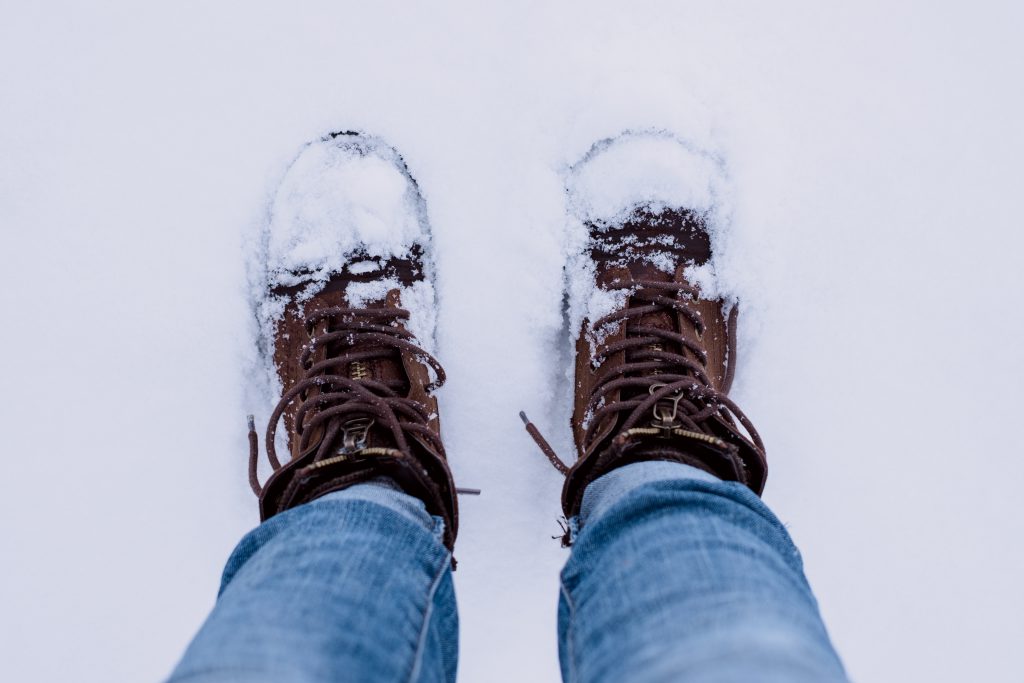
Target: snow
{"points": [[419, 299], [636, 169], [872, 156], [642, 168], [341, 195], [347, 201]]}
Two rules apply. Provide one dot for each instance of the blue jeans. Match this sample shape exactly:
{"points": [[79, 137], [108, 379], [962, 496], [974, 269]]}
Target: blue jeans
{"points": [[674, 575]]}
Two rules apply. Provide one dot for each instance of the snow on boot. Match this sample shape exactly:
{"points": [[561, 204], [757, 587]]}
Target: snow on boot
{"points": [[654, 355], [349, 313]]}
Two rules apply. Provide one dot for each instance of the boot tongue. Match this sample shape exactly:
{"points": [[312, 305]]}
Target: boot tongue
{"points": [[673, 238], [665, 318], [386, 368], [661, 319]]}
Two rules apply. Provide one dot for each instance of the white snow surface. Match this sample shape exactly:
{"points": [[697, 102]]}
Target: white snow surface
{"points": [[871, 158]]}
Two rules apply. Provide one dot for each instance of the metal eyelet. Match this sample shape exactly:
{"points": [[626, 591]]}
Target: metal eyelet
{"points": [[665, 409], [354, 434]]}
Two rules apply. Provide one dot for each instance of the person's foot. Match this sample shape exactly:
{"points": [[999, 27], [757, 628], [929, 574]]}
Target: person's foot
{"points": [[654, 356], [349, 311]]}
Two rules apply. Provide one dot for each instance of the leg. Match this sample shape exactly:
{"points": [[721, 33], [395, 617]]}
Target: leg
{"points": [[349, 577], [677, 575], [679, 571], [354, 586]]}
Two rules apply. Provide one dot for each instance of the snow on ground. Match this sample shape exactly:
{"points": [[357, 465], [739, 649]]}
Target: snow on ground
{"points": [[874, 151]]}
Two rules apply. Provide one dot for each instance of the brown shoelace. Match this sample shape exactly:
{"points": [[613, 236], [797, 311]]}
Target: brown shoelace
{"points": [[674, 388], [351, 336]]}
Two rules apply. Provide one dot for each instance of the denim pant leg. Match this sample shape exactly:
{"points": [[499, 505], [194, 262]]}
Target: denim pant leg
{"points": [[676, 575], [354, 586]]}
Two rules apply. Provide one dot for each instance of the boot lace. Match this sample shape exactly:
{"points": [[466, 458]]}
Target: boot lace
{"points": [[661, 391], [336, 393]]}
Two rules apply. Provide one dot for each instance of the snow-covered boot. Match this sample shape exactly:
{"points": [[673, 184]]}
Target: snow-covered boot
{"points": [[654, 355], [349, 313]]}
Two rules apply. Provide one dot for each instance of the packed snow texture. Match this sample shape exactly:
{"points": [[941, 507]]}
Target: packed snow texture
{"points": [[651, 170], [342, 194], [642, 168], [347, 202], [871, 152]]}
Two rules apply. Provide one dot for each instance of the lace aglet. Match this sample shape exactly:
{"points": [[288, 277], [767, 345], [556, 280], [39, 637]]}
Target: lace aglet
{"points": [[468, 492], [543, 444], [254, 448]]}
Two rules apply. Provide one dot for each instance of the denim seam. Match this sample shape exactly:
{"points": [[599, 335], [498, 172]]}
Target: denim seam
{"points": [[428, 611], [569, 637], [220, 672]]}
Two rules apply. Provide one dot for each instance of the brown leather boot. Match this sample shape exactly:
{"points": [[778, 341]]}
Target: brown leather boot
{"points": [[654, 366], [349, 283]]}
